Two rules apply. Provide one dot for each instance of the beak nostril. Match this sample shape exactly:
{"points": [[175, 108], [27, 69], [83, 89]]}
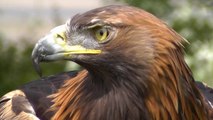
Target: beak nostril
{"points": [[59, 32], [61, 37], [60, 40]]}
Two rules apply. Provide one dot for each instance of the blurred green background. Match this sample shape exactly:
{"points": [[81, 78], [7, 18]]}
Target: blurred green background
{"points": [[23, 23]]}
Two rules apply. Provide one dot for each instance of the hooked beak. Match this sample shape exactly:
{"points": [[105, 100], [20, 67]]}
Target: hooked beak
{"points": [[54, 47]]}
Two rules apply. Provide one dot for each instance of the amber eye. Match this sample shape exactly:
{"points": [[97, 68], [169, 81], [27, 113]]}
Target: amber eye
{"points": [[101, 34]]}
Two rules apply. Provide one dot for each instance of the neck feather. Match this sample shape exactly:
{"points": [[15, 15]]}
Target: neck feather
{"points": [[167, 91]]}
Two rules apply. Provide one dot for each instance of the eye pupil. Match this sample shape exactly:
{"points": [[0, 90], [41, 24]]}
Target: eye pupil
{"points": [[101, 32]]}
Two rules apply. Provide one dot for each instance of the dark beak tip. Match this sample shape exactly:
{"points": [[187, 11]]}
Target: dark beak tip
{"points": [[36, 59], [36, 65]]}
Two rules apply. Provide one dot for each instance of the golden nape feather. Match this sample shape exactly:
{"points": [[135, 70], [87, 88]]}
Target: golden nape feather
{"points": [[134, 69]]}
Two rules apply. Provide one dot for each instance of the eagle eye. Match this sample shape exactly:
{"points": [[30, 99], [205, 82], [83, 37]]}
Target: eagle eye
{"points": [[101, 34]]}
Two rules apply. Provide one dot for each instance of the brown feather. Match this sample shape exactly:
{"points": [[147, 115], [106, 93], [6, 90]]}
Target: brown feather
{"points": [[140, 75], [71, 91]]}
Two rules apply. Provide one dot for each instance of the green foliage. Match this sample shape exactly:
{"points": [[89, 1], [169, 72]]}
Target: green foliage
{"points": [[193, 20], [17, 69]]}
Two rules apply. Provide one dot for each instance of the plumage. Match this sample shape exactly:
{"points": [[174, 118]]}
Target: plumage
{"points": [[35, 94], [134, 70]]}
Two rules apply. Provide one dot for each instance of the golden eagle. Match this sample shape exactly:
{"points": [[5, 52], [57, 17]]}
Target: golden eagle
{"points": [[134, 69]]}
